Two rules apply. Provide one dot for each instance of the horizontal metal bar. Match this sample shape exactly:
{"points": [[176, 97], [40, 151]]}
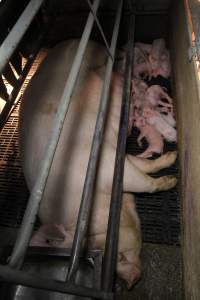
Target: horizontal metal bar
{"points": [[36, 281], [11, 42], [38, 189], [86, 200], [41, 252], [110, 254]]}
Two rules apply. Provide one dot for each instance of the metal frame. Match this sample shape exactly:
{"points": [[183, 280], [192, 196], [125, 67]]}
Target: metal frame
{"points": [[4, 115], [11, 42], [16, 260], [36, 195], [23, 278], [86, 200]]}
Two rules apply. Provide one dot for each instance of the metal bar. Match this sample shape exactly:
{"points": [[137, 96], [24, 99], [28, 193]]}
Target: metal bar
{"points": [[9, 75], [3, 91], [16, 61], [12, 40], [36, 281], [7, 107], [38, 189], [100, 29], [86, 201], [110, 254], [11, 99]]}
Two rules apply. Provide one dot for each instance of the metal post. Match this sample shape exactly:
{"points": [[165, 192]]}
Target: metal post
{"points": [[11, 42], [39, 282], [86, 201], [110, 254], [38, 189]]}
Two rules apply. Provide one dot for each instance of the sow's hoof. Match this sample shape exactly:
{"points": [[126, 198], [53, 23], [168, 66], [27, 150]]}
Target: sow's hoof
{"points": [[165, 183]]}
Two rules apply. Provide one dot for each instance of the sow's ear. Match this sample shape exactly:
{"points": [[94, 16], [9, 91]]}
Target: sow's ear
{"points": [[128, 269]]}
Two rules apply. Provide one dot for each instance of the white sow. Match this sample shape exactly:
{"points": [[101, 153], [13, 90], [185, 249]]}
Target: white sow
{"points": [[59, 207]]}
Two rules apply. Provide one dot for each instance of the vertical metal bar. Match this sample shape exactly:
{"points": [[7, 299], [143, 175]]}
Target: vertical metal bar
{"points": [[110, 254], [37, 192], [86, 201], [11, 42]]}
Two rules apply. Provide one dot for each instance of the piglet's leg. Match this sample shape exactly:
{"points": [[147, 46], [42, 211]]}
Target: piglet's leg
{"points": [[153, 166], [137, 181], [164, 104], [166, 96], [139, 139], [147, 153]]}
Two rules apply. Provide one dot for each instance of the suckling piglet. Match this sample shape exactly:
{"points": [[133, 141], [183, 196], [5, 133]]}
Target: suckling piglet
{"points": [[139, 56], [139, 87], [146, 48], [159, 59], [153, 137], [153, 117], [154, 95], [169, 119], [157, 50], [164, 68], [143, 69]]}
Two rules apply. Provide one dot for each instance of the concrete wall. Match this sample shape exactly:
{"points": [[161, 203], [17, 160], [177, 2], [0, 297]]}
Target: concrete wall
{"points": [[186, 89]]}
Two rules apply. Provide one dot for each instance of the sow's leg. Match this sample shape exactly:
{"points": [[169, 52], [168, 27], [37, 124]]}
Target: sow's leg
{"points": [[137, 181], [155, 165]]}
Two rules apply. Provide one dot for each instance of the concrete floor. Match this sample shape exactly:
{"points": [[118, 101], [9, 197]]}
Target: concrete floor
{"points": [[161, 275], [161, 272]]}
